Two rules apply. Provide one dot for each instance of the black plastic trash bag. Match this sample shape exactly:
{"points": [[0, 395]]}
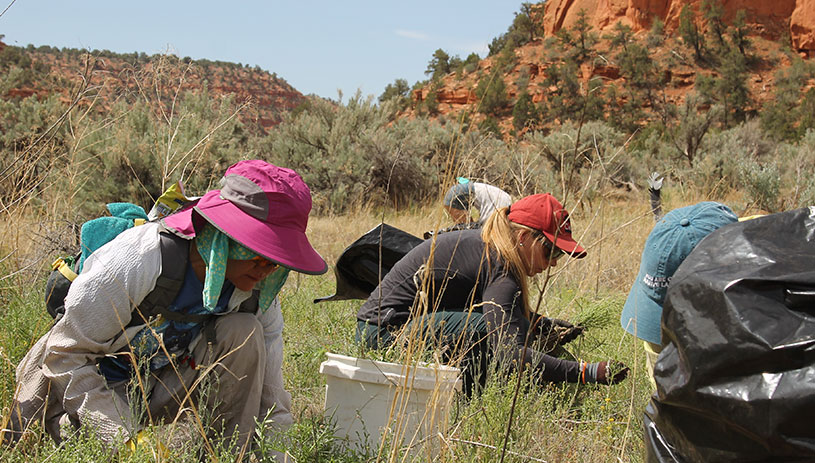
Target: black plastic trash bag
{"points": [[358, 267], [736, 377]]}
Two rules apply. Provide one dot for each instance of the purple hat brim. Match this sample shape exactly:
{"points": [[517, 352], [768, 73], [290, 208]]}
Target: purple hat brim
{"points": [[285, 246]]}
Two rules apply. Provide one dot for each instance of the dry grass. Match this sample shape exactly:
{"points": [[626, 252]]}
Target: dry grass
{"points": [[557, 423], [613, 233]]}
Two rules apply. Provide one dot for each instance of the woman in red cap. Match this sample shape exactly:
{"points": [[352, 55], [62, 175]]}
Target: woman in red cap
{"points": [[217, 321], [468, 293]]}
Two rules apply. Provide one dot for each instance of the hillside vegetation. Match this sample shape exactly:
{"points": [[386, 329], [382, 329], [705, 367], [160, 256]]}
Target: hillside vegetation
{"points": [[712, 62]]}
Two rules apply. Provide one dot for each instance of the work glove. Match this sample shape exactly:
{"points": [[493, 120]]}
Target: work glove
{"points": [[555, 332], [608, 372]]}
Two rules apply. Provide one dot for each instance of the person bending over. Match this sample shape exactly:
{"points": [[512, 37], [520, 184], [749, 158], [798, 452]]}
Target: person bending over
{"points": [[671, 240], [467, 195], [468, 292], [223, 328]]}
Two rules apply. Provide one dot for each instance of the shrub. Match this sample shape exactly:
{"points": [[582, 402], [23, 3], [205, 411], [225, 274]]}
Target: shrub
{"points": [[143, 149], [780, 117], [32, 141], [656, 35], [524, 112], [597, 155], [489, 127], [492, 94], [719, 166], [803, 184], [349, 155], [763, 184], [471, 63]]}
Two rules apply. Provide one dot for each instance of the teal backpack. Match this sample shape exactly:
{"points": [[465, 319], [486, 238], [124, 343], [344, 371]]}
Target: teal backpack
{"points": [[96, 233]]}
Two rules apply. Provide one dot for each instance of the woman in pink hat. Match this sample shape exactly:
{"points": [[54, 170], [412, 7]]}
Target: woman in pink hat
{"points": [[468, 293], [170, 306]]}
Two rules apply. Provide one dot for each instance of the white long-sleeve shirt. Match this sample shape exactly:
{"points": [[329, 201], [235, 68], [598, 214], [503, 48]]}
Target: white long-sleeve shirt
{"points": [[487, 199]]}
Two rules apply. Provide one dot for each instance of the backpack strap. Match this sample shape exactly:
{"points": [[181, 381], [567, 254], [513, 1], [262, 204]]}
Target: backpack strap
{"points": [[175, 253]]}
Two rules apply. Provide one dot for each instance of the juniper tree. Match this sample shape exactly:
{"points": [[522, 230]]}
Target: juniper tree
{"points": [[621, 36], [732, 86], [528, 23], [524, 113], [625, 111], [690, 33], [578, 41], [492, 94], [562, 100], [739, 33], [439, 65], [489, 126], [642, 78], [713, 13], [431, 100], [398, 90]]}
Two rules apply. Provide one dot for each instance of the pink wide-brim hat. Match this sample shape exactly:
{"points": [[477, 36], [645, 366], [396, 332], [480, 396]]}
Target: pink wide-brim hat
{"points": [[261, 206]]}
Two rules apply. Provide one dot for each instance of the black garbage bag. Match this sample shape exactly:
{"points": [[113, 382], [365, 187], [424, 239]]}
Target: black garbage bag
{"points": [[736, 376], [363, 264]]}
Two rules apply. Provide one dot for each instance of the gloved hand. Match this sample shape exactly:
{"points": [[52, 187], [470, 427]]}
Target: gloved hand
{"points": [[608, 372], [566, 331], [555, 332]]}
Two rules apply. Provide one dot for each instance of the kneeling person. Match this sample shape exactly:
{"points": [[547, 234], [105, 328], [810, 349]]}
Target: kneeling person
{"points": [[225, 321]]}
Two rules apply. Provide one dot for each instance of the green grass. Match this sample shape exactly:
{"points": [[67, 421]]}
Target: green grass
{"points": [[553, 422]]}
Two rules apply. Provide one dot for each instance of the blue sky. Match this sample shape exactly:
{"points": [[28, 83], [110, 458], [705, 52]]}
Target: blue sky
{"points": [[317, 46]]}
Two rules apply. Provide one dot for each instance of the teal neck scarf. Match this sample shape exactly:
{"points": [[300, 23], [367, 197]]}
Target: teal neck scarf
{"points": [[216, 248]]}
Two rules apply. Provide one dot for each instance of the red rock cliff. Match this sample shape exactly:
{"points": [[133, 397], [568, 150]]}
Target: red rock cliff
{"points": [[767, 18]]}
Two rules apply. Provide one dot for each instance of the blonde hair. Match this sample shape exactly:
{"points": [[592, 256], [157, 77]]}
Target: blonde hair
{"points": [[501, 235]]}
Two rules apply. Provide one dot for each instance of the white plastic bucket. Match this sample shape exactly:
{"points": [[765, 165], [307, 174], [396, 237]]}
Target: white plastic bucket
{"points": [[369, 400]]}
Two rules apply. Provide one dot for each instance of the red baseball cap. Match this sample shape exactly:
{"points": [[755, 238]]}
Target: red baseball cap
{"points": [[545, 213]]}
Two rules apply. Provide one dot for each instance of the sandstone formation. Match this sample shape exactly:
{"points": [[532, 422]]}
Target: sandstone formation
{"points": [[802, 26], [767, 23], [458, 96], [770, 19]]}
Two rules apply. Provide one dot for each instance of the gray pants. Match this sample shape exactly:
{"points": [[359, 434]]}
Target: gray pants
{"points": [[233, 367]]}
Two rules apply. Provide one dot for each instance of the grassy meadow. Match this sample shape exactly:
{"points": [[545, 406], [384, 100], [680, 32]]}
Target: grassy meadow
{"points": [[551, 423]]}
